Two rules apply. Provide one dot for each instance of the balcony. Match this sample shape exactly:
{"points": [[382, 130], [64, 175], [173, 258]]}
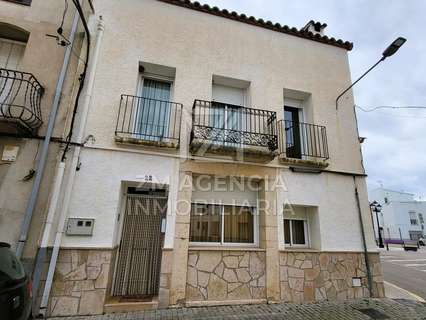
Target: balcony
{"points": [[235, 131], [20, 96], [302, 144], [148, 122]]}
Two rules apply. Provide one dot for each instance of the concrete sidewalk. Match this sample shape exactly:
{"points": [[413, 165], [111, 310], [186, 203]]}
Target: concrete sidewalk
{"points": [[394, 292], [365, 309]]}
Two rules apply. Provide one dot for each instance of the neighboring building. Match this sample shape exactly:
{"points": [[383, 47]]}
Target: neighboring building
{"points": [[30, 63], [401, 217], [218, 169]]}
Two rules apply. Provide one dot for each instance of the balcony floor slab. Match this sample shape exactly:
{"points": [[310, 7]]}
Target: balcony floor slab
{"points": [[236, 152]]}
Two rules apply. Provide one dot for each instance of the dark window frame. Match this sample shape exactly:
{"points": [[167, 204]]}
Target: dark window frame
{"points": [[289, 236]]}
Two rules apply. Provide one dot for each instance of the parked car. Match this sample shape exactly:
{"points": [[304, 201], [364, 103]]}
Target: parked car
{"points": [[421, 241], [15, 286]]}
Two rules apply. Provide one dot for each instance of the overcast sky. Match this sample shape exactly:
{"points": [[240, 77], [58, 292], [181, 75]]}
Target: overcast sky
{"points": [[395, 149]]}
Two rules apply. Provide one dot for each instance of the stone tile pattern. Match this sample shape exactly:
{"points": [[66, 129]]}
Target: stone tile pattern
{"points": [[225, 275], [307, 276], [324, 310], [165, 278], [80, 282]]}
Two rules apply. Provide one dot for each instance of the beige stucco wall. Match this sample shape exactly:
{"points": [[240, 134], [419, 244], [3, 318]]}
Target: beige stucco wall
{"points": [[199, 46], [43, 58]]}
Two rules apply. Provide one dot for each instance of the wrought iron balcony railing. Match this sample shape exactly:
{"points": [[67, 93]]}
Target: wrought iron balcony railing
{"points": [[233, 126], [298, 140], [20, 96], [148, 121]]}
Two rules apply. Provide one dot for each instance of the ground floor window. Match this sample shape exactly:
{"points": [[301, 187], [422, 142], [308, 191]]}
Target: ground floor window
{"points": [[222, 224], [295, 232]]}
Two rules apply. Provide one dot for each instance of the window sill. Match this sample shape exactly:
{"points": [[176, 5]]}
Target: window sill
{"points": [[320, 164], [165, 143], [223, 248], [299, 249]]}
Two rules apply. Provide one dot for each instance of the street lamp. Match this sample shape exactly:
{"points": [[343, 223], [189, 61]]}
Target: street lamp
{"points": [[389, 51], [376, 207]]}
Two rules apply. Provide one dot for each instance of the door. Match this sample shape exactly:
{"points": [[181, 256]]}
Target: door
{"points": [[227, 113], [138, 264], [153, 110], [292, 132]]}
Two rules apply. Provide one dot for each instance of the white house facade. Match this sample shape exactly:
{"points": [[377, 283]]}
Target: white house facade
{"points": [[401, 217], [211, 166]]}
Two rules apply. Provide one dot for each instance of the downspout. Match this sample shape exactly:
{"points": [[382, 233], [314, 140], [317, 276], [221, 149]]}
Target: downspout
{"points": [[364, 243], [73, 168], [41, 254], [45, 149]]}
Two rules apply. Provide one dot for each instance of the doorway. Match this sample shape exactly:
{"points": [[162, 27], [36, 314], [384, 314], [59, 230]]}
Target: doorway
{"points": [[137, 272], [292, 132]]}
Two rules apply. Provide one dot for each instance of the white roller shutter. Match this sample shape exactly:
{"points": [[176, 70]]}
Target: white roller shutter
{"points": [[225, 190], [227, 94]]}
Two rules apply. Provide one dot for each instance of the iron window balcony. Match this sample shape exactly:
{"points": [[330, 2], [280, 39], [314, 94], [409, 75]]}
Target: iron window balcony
{"points": [[148, 121], [304, 141], [225, 129], [20, 97]]}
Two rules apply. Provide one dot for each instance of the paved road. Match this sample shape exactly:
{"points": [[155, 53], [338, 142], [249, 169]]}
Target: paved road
{"points": [[364, 309], [406, 269]]}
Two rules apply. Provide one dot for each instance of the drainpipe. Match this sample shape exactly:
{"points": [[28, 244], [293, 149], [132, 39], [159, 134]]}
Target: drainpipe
{"points": [[364, 243], [73, 168], [45, 149], [41, 254]]}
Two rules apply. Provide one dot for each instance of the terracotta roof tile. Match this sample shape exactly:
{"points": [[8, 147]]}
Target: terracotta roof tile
{"points": [[262, 23]]}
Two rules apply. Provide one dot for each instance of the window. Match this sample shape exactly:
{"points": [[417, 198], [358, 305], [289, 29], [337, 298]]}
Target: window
{"points": [[413, 218], [11, 53], [295, 232], [11, 268], [213, 223], [413, 222], [386, 200], [421, 218], [205, 223], [226, 112], [153, 109]]}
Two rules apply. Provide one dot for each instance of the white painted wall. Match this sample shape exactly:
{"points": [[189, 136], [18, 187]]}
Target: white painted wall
{"points": [[198, 46], [337, 213], [395, 214], [98, 185], [380, 194]]}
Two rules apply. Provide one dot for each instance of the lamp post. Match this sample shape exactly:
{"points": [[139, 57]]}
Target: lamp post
{"points": [[389, 51], [376, 207]]}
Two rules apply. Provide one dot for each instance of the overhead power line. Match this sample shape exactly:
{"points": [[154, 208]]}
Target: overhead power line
{"points": [[389, 107]]}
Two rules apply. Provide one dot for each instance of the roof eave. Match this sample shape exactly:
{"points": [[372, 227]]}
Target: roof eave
{"points": [[261, 23]]}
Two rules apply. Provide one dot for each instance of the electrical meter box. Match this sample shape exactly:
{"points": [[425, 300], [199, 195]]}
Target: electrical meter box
{"points": [[9, 153], [80, 226]]}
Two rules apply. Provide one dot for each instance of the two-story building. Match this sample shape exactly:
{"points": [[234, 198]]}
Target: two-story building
{"points": [[401, 216], [216, 167]]}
